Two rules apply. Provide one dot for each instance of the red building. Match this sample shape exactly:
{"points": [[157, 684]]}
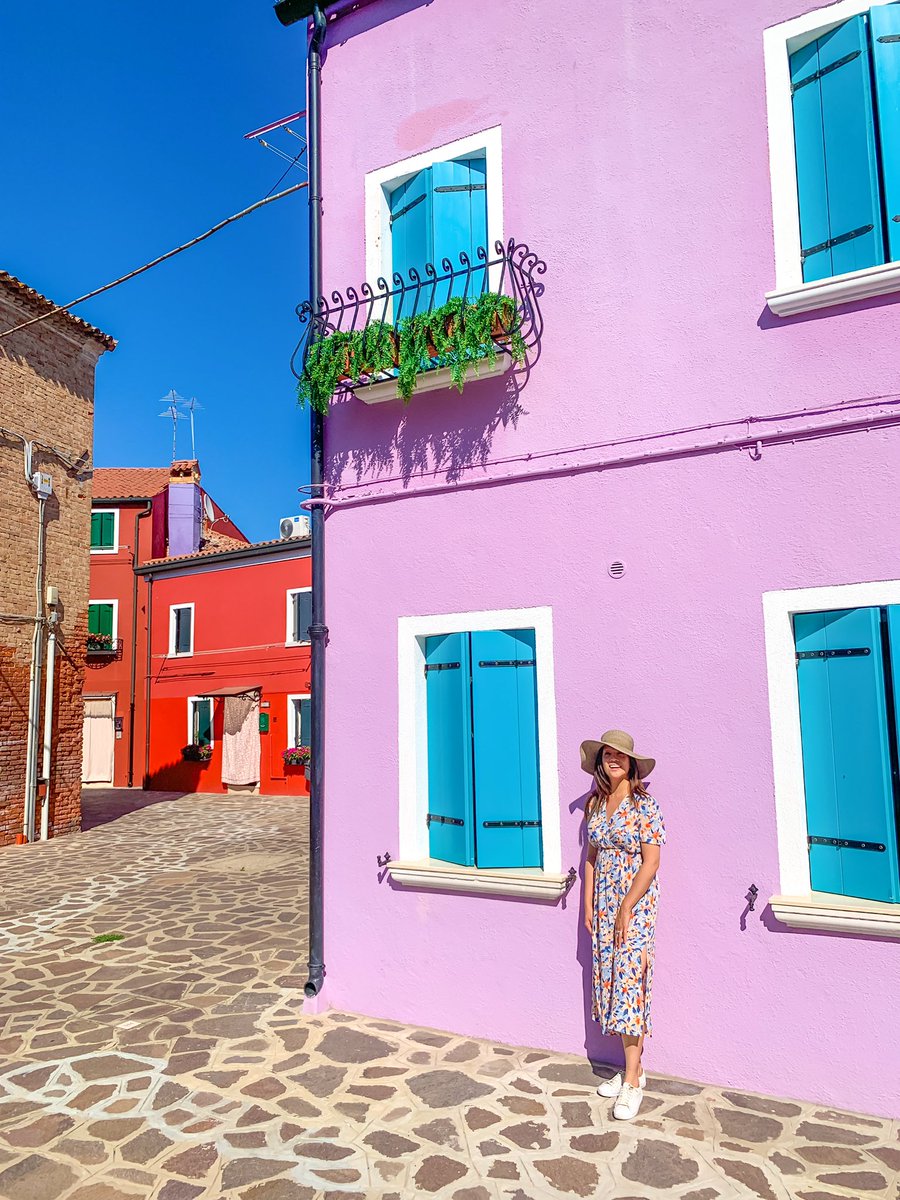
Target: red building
{"points": [[227, 646]]}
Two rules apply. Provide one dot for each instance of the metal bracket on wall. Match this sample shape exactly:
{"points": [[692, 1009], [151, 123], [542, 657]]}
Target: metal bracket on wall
{"points": [[845, 843], [439, 820], [571, 876], [850, 652], [383, 859]]}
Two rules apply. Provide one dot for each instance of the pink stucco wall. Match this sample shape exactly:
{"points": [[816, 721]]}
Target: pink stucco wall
{"points": [[635, 163]]}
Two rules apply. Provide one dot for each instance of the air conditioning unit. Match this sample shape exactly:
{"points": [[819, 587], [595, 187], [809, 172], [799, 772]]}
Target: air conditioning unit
{"points": [[293, 527]]}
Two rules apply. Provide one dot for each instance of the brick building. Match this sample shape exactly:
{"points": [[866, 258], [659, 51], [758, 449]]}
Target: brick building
{"points": [[46, 436]]}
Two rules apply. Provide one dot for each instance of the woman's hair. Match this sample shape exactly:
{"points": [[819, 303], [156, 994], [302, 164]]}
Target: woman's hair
{"points": [[602, 787]]}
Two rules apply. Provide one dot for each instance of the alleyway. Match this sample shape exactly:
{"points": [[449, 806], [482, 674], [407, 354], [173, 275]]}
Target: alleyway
{"points": [[176, 1063]]}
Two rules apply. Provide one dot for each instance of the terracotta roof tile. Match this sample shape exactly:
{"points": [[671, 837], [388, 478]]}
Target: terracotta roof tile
{"points": [[125, 483], [23, 291], [210, 551], [217, 542]]}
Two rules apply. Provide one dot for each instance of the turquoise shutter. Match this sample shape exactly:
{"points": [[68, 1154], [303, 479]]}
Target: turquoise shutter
{"points": [[504, 720], [449, 732], [884, 30], [202, 722], [305, 722], [847, 768], [460, 220], [837, 165], [411, 223]]}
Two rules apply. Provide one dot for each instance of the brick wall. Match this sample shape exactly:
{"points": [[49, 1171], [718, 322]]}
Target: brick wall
{"points": [[46, 394]]}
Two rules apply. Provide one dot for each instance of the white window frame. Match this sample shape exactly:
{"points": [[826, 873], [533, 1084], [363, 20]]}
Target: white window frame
{"points": [[797, 904], [114, 549], [191, 701], [115, 615], [294, 698], [790, 294], [379, 183], [183, 653], [415, 868], [289, 618]]}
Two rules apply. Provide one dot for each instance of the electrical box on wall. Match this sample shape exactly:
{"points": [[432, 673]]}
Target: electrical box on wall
{"points": [[263, 722]]}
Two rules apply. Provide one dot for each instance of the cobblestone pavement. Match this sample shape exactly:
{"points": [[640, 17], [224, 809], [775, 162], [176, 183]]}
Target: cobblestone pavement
{"points": [[177, 1063]]}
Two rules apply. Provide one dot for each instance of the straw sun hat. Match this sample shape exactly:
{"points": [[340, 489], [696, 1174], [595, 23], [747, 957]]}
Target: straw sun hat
{"points": [[624, 743]]}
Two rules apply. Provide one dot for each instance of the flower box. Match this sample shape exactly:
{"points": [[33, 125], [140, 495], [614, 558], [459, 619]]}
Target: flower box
{"points": [[100, 643], [194, 753], [295, 756]]}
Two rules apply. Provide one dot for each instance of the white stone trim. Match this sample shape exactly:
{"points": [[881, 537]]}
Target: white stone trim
{"points": [[191, 700], [378, 230], [431, 381], [172, 651], [790, 294], [838, 914], [114, 549], [787, 751], [115, 615], [431, 873], [294, 699], [289, 617], [412, 733]]}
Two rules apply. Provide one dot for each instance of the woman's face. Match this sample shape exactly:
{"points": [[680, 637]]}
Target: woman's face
{"points": [[615, 764]]}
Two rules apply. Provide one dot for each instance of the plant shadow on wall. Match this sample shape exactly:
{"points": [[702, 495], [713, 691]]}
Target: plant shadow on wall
{"points": [[440, 356]]}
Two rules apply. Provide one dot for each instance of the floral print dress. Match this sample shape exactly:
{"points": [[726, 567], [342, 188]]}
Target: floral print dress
{"points": [[621, 989]]}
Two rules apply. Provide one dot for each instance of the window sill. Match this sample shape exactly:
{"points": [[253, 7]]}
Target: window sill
{"points": [[104, 549], [429, 381], [297, 644], [837, 914], [839, 289], [527, 883]]}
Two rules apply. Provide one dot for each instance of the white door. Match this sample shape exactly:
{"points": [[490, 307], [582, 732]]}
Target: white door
{"points": [[99, 740]]}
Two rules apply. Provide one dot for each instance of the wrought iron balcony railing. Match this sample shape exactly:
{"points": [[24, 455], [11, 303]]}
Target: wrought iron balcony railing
{"points": [[452, 318]]}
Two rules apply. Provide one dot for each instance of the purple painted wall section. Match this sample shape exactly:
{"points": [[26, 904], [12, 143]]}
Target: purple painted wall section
{"points": [[635, 162], [185, 518]]}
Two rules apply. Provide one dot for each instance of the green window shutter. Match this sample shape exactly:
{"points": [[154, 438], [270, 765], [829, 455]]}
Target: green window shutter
{"points": [[100, 618], [202, 722], [103, 530], [183, 630]]}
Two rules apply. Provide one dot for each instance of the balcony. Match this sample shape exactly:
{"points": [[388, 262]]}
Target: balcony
{"points": [[424, 331], [102, 647]]}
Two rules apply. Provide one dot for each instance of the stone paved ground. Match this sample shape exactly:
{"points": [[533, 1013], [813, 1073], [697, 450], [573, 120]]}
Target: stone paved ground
{"points": [[177, 1063]]}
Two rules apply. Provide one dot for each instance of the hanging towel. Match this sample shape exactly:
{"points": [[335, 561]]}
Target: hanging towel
{"points": [[240, 740]]}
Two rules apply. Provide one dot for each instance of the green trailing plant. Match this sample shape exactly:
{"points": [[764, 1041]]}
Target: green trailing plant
{"points": [[458, 335], [107, 937]]}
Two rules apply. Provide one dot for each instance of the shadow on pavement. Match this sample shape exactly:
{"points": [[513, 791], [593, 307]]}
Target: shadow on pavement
{"points": [[99, 806]]}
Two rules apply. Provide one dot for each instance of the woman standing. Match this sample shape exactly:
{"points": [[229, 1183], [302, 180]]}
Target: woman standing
{"points": [[621, 896]]}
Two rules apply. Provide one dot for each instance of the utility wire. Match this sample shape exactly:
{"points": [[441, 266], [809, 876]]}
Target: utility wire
{"points": [[156, 261]]}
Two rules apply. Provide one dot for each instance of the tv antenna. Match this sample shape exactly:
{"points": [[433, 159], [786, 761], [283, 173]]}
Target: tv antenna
{"points": [[172, 401], [287, 151], [193, 405]]}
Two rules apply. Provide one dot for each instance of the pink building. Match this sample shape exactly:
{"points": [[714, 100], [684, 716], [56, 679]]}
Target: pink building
{"points": [[699, 447]]}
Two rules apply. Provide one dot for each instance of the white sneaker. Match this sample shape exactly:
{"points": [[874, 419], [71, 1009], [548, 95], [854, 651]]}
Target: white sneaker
{"points": [[612, 1087], [628, 1103]]}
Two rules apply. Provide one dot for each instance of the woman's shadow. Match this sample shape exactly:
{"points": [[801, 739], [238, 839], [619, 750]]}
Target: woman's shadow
{"points": [[603, 1051]]}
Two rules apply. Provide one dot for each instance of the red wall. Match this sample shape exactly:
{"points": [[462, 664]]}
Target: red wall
{"points": [[239, 642], [112, 578]]}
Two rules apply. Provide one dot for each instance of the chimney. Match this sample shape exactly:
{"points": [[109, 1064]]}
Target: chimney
{"points": [[185, 508]]}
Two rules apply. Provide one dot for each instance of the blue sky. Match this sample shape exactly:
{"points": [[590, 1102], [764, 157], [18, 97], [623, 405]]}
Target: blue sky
{"points": [[123, 138]]}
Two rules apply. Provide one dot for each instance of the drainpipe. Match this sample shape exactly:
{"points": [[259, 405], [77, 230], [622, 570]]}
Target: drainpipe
{"points": [[318, 630], [34, 685], [147, 685], [53, 621], [135, 563]]}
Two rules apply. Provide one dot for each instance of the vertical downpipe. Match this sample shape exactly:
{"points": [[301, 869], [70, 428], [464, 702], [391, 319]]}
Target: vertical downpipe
{"points": [[48, 724], [135, 563], [318, 630], [148, 682], [34, 685]]}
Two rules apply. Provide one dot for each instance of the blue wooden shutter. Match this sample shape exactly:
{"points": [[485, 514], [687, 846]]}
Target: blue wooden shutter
{"points": [[837, 166], [449, 731], [305, 722], [460, 220], [847, 768], [504, 721], [884, 30], [411, 237]]}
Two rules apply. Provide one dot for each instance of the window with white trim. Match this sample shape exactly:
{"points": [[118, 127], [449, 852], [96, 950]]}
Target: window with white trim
{"points": [[299, 616], [435, 205], [477, 739], [833, 81], [299, 720], [104, 530], [103, 625], [181, 630], [200, 721], [833, 656]]}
